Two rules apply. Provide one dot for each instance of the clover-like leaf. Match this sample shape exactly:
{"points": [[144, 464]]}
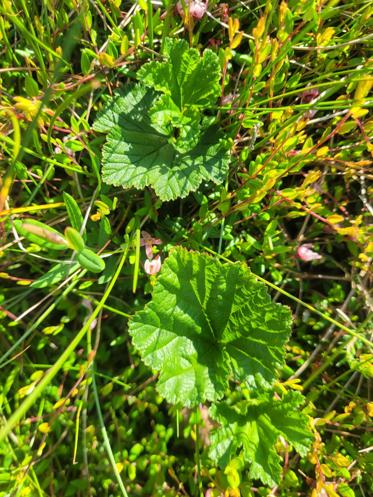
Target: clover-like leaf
{"points": [[136, 154], [251, 429], [208, 322]]}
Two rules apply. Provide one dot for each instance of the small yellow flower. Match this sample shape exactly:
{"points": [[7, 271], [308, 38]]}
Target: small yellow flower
{"points": [[44, 428]]}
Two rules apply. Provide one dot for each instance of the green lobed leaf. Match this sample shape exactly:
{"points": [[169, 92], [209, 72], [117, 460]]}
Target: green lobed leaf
{"points": [[190, 79], [137, 155], [252, 428], [189, 83], [166, 118], [129, 102], [208, 322]]}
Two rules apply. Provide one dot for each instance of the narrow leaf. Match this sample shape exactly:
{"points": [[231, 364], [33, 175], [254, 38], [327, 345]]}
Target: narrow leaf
{"points": [[56, 274], [73, 211], [90, 261]]}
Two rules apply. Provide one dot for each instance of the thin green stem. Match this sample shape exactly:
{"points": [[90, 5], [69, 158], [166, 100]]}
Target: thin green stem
{"points": [[197, 455], [177, 422], [92, 375], [324, 366], [150, 24], [48, 377], [105, 435], [137, 261], [106, 306], [41, 318]]}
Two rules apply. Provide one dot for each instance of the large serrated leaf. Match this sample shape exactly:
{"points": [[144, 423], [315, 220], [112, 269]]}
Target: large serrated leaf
{"points": [[137, 155], [127, 103], [251, 429], [207, 322], [190, 79]]}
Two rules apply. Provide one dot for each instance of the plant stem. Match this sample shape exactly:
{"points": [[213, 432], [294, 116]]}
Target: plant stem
{"points": [[137, 261], [150, 24], [197, 455], [40, 319], [45, 381], [105, 435]]}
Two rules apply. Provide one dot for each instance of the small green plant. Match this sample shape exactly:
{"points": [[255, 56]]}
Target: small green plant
{"points": [[251, 428], [159, 133], [50, 239], [280, 91], [209, 324]]}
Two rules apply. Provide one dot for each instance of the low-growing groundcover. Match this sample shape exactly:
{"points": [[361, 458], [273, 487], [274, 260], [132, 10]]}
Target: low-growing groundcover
{"points": [[185, 226]]}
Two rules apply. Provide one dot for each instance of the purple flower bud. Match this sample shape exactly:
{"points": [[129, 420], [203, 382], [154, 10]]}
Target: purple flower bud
{"points": [[197, 8], [305, 253], [309, 95]]}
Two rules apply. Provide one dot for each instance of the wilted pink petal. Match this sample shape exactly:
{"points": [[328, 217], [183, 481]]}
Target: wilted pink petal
{"points": [[310, 113], [224, 11], [228, 99], [179, 8], [309, 95], [305, 253], [153, 266], [197, 8], [149, 251], [147, 239]]}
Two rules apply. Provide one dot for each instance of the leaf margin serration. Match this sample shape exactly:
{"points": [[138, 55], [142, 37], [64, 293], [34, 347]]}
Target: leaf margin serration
{"points": [[175, 174], [229, 440], [231, 369]]}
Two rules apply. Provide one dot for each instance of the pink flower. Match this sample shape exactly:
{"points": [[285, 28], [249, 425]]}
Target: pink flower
{"points": [[212, 492], [293, 152], [197, 8], [305, 253], [214, 43], [148, 241], [228, 99], [153, 266], [309, 95]]}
